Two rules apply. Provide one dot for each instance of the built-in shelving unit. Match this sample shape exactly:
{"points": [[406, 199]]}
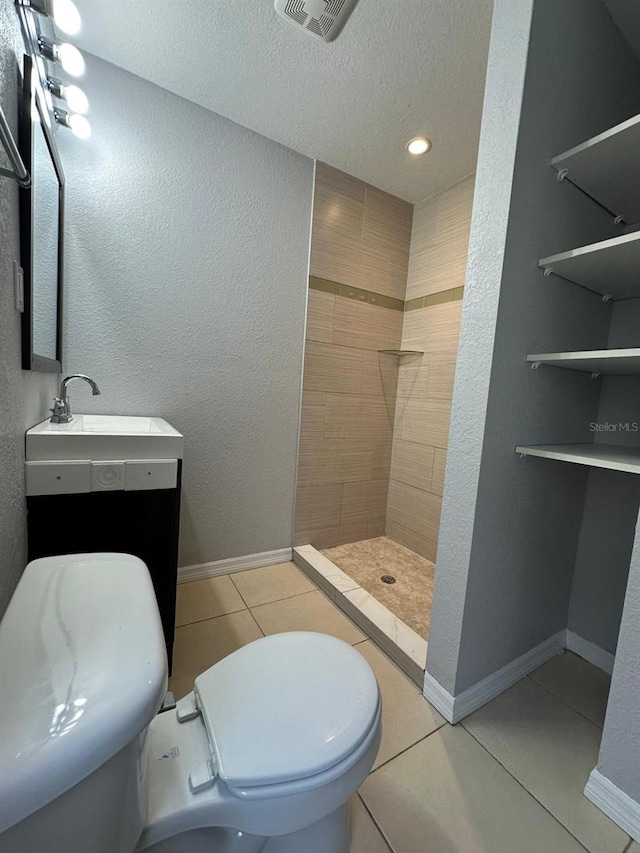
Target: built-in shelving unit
{"points": [[593, 455], [611, 267], [401, 352], [614, 362], [607, 167]]}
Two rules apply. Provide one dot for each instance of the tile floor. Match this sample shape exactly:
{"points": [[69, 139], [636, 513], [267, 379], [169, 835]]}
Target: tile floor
{"points": [[508, 779]]}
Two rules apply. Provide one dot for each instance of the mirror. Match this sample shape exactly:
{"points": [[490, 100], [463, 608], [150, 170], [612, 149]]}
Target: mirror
{"points": [[41, 232]]}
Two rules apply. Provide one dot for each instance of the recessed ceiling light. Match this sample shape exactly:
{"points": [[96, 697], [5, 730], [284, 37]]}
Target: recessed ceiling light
{"points": [[419, 145]]}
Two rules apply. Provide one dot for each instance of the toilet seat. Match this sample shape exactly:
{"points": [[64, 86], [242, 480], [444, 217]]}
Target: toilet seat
{"points": [[285, 708], [254, 690]]}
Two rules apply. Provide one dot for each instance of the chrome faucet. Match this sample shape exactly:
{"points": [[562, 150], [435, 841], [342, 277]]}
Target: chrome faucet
{"points": [[61, 407]]}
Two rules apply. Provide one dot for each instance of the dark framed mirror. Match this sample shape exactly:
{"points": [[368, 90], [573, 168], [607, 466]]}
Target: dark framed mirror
{"points": [[41, 231]]}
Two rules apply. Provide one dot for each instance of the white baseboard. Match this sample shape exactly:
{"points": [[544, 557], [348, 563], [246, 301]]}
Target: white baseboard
{"points": [[456, 708], [590, 652], [614, 803], [233, 564]]}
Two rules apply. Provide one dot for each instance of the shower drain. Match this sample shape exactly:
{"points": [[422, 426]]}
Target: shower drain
{"points": [[388, 579]]}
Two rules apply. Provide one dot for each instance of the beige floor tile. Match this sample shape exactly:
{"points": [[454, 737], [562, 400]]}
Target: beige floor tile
{"points": [[407, 717], [635, 848], [365, 835], [271, 583], [578, 683], [550, 749], [206, 599], [448, 795], [202, 644], [308, 612]]}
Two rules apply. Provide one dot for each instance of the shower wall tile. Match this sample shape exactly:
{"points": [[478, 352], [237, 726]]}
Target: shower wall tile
{"points": [[364, 500], [361, 236], [440, 241], [423, 421], [412, 463], [320, 316], [312, 415], [328, 367], [324, 461], [360, 248], [357, 324], [358, 416], [437, 267], [318, 505], [437, 479]]}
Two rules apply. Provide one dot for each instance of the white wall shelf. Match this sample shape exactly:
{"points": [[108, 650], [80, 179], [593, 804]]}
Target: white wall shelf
{"points": [[610, 267], [613, 362], [610, 456], [607, 168]]}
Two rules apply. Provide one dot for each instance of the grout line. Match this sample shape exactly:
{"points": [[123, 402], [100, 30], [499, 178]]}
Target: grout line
{"points": [[523, 786], [629, 846], [209, 618], [257, 623], [375, 822], [237, 590], [407, 748], [564, 701], [284, 598]]}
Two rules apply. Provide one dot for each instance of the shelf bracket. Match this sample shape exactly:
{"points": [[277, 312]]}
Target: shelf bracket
{"points": [[618, 220], [535, 365], [548, 272], [562, 174], [606, 298]]}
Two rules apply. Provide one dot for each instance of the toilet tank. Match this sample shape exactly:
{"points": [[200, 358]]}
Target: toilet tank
{"points": [[83, 672]]}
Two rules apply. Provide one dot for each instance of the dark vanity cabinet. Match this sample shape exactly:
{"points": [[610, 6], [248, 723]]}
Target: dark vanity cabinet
{"points": [[141, 522]]}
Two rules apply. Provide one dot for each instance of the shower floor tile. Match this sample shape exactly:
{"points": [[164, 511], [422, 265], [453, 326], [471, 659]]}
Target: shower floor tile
{"points": [[409, 598]]}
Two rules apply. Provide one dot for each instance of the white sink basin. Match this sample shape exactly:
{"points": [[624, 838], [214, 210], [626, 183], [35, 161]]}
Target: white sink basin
{"points": [[108, 437]]}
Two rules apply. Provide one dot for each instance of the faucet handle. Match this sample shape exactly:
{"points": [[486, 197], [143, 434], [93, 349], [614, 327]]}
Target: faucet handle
{"points": [[60, 412]]}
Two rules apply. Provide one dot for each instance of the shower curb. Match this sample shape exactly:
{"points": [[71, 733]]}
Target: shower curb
{"points": [[400, 642]]}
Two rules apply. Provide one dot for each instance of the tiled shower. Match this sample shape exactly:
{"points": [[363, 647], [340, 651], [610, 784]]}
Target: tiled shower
{"points": [[386, 279]]}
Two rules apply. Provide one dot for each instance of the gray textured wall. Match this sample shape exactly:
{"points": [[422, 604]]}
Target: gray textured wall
{"points": [[513, 566], [620, 747], [611, 507], [187, 262], [24, 396]]}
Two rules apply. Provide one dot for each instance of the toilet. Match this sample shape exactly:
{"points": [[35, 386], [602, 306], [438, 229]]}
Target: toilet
{"points": [[263, 755]]}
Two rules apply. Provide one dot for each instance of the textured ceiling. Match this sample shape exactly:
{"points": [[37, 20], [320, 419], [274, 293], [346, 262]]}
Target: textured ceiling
{"points": [[400, 68]]}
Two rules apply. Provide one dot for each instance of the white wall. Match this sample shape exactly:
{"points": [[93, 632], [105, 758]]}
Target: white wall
{"points": [[187, 261], [24, 396]]}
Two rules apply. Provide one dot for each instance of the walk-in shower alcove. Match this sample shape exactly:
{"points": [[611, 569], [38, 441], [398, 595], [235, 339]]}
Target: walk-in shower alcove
{"points": [[385, 299]]}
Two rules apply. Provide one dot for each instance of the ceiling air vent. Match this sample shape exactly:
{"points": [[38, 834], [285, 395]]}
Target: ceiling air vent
{"points": [[322, 18]]}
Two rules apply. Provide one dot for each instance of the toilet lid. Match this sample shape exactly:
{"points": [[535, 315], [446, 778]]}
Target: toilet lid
{"points": [[286, 707]]}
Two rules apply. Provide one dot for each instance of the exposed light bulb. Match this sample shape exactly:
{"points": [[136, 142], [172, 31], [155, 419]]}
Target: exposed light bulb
{"points": [[66, 16], [70, 58], [419, 145], [79, 126], [76, 98]]}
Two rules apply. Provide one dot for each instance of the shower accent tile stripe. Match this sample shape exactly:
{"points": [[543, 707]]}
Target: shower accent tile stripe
{"points": [[382, 301], [368, 296]]}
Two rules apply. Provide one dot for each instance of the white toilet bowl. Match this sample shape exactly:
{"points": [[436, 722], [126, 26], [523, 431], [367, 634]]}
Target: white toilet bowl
{"points": [[264, 755]]}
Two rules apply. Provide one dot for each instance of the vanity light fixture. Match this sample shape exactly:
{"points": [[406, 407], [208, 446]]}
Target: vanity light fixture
{"points": [[419, 145], [73, 95], [77, 124], [66, 54], [64, 13]]}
